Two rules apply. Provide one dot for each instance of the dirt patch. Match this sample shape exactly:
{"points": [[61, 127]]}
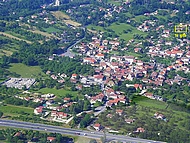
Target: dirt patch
{"points": [[60, 15], [13, 37]]}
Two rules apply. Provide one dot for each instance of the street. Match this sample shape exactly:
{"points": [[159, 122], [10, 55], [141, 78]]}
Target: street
{"points": [[68, 131]]}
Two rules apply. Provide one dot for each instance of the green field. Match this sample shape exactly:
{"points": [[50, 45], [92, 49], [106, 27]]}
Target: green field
{"points": [[51, 29], [115, 2], [140, 18], [144, 101], [96, 28], [58, 92], [9, 110], [119, 30], [26, 71]]}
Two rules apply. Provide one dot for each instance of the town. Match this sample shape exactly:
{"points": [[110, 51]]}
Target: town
{"points": [[132, 80]]}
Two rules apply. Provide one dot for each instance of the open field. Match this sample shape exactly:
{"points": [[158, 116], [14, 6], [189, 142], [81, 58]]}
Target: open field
{"points": [[60, 15], [71, 22], [140, 18], [26, 71], [119, 30], [9, 110], [144, 101], [5, 52], [58, 92], [14, 37], [50, 30], [95, 28], [46, 34], [65, 18], [115, 2]]}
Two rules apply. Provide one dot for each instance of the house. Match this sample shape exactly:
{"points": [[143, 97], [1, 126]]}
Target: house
{"points": [[99, 56], [140, 130], [159, 116], [18, 134], [109, 116], [38, 110], [119, 111], [98, 78], [51, 139], [129, 121], [66, 99], [149, 95], [58, 115], [97, 127], [138, 86], [96, 98], [89, 60], [74, 76]]}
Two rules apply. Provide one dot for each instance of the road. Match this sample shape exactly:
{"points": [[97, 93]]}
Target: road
{"points": [[70, 54], [68, 131]]}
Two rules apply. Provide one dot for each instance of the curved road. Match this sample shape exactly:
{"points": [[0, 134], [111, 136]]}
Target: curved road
{"points": [[68, 131]]}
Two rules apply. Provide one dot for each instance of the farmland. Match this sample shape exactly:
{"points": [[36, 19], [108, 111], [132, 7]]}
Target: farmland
{"points": [[26, 71]]}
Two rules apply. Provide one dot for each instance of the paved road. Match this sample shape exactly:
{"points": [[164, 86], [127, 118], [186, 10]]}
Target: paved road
{"points": [[68, 131]]}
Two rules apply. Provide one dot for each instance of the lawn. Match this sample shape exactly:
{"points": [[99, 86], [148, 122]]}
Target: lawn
{"points": [[12, 36], [60, 15], [9, 110], [26, 71], [51, 29], [84, 140], [144, 101], [71, 22], [96, 28], [115, 2], [58, 92], [140, 18], [119, 28]]}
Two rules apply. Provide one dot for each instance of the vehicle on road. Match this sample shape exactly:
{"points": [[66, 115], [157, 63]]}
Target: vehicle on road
{"points": [[77, 133]]}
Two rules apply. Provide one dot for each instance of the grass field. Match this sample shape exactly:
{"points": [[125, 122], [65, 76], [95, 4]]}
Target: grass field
{"points": [[14, 37], [9, 110], [71, 22], [60, 15], [95, 28], [144, 101], [5, 52], [84, 140], [51, 29], [26, 71], [140, 18], [58, 92], [115, 2], [119, 30], [65, 18], [46, 34]]}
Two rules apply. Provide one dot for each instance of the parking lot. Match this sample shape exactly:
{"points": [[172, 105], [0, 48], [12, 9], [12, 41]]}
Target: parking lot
{"points": [[19, 82]]}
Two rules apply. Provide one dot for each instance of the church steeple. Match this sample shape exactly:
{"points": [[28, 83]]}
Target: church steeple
{"points": [[57, 2]]}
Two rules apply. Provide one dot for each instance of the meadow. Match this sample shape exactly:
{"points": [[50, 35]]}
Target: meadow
{"points": [[12, 110], [26, 71], [58, 92]]}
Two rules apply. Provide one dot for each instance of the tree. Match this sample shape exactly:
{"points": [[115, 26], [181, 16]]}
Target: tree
{"points": [[93, 141], [1, 114]]}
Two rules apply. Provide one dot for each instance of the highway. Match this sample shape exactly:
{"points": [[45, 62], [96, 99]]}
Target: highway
{"points": [[68, 131]]}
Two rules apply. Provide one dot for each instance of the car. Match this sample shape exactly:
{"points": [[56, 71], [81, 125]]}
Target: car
{"points": [[77, 133], [92, 132], [84, 134], [45, 129]]}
